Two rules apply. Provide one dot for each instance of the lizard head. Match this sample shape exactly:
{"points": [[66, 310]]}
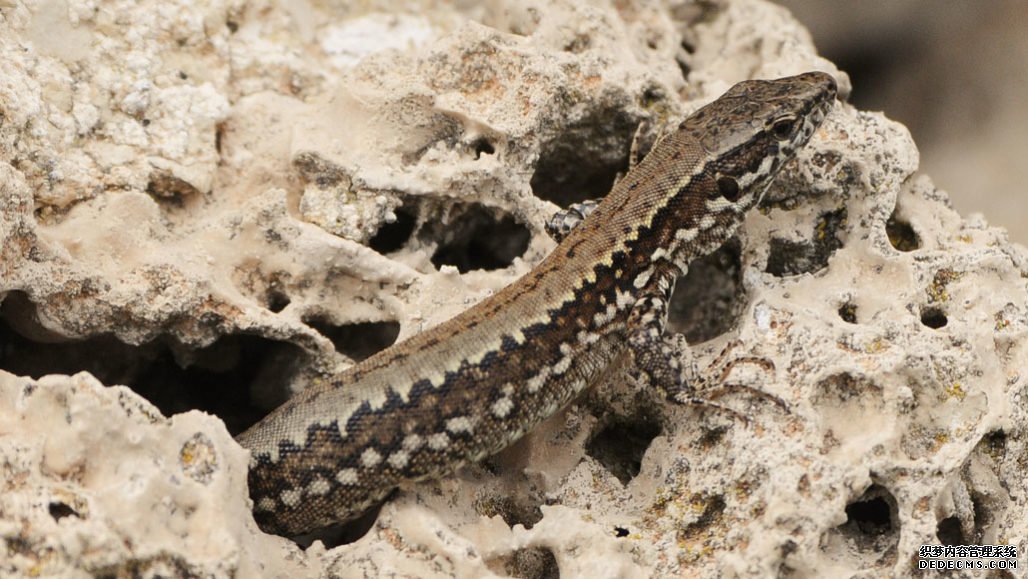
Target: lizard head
{"points": [[754, 129], [692, 191]]}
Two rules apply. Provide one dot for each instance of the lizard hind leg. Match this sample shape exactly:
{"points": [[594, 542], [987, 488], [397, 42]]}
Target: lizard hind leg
{"points": [[730, 388], [565, 220], [724, 369], [667, 364]]}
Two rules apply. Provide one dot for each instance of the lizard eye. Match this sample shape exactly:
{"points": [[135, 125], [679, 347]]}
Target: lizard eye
{"points": [[728, 187], [783, 128]]}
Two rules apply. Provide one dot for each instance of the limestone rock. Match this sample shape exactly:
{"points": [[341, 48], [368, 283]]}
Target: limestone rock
{"points": [[214, 203]]}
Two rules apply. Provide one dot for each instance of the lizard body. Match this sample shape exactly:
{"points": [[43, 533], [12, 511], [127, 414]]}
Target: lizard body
{"points": [[476, 383]]}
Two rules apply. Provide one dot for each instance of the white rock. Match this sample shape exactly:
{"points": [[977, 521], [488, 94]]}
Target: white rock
{"points": [[207, 193]]}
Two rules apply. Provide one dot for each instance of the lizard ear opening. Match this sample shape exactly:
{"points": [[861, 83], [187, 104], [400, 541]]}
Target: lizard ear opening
{"points": [[728, 187]]}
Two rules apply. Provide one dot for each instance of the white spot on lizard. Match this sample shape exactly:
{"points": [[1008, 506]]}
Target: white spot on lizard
{"points": [[439, 441], [459, 424], [348, 477], [370, 458], [318, 487], [686, 235], [536, 382], [399, 459], [411, 442], [291, 497], [502, 407], [642, 279]]}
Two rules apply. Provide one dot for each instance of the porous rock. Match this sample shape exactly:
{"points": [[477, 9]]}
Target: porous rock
{"points": [[237, 197]]}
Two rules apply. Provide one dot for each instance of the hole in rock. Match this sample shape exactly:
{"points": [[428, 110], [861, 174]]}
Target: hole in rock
{"points": [[357, 341], [652, 96], [788, 257], [528, 563], [982, 516], [949, 532], [872, 523], [848, 313], [337, 535], [59, 510], [275, 289], [477, 238], [584, 160], [482, 146], [709, 299], [621, 532], [216, 379], [219, 137], [392, 236], [995, 443], [277, 301], [870, 516], [934, 318], [171, 192], [901, 235], [620, 446], [512, 510]]}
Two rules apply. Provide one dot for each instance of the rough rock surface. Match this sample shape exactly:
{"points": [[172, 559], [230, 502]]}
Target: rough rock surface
{"points": [[216, 202]]}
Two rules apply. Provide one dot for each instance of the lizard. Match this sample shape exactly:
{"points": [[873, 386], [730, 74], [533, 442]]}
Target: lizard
{"points": [[474, 384]]}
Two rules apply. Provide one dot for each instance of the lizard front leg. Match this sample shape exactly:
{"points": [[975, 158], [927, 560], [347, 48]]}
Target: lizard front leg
{"points": [[658, 359]]}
